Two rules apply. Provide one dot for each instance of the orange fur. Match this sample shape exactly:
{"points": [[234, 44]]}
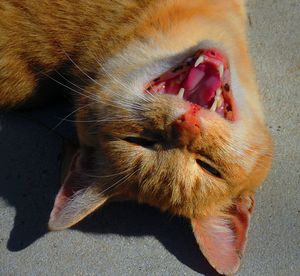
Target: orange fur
{"points": [[121, 44]]}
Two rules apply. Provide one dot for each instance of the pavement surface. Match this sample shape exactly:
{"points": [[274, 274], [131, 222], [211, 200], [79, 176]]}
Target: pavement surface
{"points": [[131, 239]]}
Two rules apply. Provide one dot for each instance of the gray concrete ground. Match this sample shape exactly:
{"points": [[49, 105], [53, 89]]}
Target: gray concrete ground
{"points": [[126, 239]]}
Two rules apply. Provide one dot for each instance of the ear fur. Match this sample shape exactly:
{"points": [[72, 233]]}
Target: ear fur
{"points": [[222, 239], [78, 197]]}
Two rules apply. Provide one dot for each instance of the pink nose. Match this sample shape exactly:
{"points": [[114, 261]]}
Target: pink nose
{"points": [[187, 127]]}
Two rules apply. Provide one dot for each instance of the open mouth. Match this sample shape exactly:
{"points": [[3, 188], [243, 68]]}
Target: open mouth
{"points": [[202, 79]]}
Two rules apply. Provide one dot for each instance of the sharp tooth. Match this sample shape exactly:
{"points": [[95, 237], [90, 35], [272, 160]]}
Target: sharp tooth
{"points": [[221, 70], [181, 93], [214, 105], [218, 92], [217, 101], [199, 61], [220, 102]]}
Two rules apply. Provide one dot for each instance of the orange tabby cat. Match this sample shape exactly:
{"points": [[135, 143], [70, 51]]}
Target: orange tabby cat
{"points": [[168, 109]]}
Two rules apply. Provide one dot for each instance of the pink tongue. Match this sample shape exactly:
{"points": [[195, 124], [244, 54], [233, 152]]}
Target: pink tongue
{"points": [[205, 92], [201, 85], [194, 77]]}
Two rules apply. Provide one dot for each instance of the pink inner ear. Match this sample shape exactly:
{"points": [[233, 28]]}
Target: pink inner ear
{"points": [[241, 213], [68, 189], [79, 196], [222, 239]]}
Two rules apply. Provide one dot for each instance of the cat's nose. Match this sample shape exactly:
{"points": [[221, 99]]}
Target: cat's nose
{"points": [[187, 127]]}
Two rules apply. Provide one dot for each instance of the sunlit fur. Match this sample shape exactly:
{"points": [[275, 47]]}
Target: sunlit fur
{"points": [[113, 48]]}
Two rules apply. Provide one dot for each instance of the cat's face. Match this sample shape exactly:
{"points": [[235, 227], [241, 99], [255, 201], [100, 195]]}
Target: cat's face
{"points": [[187, 154], [175, 121], [189, 171]]}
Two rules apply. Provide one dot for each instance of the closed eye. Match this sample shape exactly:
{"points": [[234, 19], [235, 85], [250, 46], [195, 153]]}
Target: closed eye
{"points": [[208, 168], [143, 142]]}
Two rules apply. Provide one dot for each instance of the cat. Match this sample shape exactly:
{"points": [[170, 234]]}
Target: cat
{"points": [[167, 108]]}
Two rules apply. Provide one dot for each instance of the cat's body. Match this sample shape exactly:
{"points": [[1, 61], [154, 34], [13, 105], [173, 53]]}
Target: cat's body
{"points": [[136, 143], [37, 37]]}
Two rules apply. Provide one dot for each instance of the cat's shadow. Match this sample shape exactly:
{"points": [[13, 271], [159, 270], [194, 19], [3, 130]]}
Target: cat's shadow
{"points": [[28, 184], [123, 218], [132, 219]]}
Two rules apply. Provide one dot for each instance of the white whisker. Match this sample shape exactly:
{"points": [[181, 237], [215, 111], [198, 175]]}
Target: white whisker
{"points": [[70, 114], [120, 181]]}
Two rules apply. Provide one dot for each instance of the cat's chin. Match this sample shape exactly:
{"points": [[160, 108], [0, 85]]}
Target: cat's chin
{"points": [[203, 79]]}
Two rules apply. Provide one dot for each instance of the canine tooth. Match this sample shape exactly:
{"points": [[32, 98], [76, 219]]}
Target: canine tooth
{"points": [[199, 61], [221, 70], [214, 105], [220, 102], [218, 92], [181, 93]]}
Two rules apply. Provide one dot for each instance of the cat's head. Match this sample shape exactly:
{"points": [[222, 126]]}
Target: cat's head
{"points": [[174, 120]]}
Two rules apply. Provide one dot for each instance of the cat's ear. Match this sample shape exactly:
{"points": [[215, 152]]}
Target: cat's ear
{"points": [[78, 197], [222, 238]]}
